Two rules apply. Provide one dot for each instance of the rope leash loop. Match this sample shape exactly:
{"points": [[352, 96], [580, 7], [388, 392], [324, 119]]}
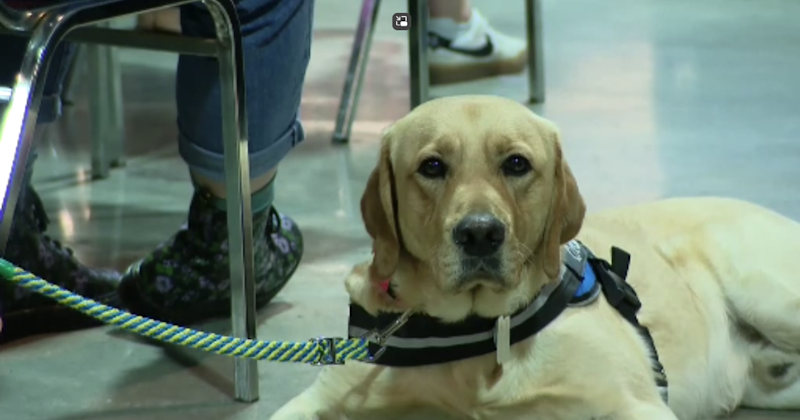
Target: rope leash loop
{"points": [[316, 351]]}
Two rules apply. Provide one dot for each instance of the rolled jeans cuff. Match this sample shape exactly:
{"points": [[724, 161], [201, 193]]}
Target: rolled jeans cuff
{"points": [[211, 165]]}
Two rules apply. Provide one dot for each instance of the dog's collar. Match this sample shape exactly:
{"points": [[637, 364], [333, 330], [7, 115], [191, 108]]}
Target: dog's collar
{"points": [[418, 340], [424, 340]]}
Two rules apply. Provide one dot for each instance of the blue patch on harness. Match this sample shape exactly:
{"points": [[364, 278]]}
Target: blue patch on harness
{"points": [[589, 280]]}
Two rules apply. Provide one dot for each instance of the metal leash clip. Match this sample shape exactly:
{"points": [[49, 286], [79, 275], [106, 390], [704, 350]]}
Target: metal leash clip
{"points": [[380, 337], [327, 351]]}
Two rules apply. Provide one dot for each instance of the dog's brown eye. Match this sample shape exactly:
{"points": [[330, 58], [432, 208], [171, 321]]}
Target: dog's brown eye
{"points": [[516, 165], [432, 168]]}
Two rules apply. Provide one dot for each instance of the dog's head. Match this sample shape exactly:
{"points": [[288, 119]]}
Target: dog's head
{"points": [[469, 206]]}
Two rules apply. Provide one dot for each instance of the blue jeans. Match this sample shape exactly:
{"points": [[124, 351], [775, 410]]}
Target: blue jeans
{"points": [[277, 47]]}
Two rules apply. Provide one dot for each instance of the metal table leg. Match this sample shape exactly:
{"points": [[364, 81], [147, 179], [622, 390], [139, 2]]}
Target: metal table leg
{"points": [[418, 51], [354, 79], [237, 180], [533, 21]]}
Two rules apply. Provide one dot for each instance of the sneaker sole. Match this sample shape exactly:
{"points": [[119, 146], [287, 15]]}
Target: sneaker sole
{"points": [[442, 74]]}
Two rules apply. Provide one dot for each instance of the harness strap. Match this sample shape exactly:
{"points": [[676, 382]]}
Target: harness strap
{"points": [[623, 298]]}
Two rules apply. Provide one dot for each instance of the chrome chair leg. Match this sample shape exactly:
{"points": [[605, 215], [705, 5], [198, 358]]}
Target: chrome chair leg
{"points": [[99, 78], [73, 74], [418, 52], [19, 118], [354, 79], [237, 181], [116, 142], [17, 20], [533, 22], [105, 108]]}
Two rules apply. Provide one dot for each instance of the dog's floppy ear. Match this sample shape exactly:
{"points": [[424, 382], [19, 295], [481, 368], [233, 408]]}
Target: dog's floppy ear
{"points": [[567, 210], [378, 210]]}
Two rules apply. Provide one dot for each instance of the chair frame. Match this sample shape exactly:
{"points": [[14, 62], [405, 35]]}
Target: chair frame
{"points": [[47, 28]]}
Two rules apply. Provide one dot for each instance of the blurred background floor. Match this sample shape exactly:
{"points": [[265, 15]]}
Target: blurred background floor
{"points": [[654, 99]]}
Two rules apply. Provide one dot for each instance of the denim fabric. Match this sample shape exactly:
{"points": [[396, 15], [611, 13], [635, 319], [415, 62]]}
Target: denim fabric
{"points": [[277, 47]]}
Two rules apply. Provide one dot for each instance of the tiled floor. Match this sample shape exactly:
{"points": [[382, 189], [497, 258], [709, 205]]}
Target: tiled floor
{"points": [[654, 99]]}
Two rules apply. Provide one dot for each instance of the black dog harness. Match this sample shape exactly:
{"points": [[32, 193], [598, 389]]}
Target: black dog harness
{"points": [[415, 339]]}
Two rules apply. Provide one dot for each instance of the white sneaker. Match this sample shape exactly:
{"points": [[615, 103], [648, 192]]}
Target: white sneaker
{"points": [[472, 50]]}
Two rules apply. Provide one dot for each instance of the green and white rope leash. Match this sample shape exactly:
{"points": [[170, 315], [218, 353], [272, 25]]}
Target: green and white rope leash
{"points": [[320, 351]]}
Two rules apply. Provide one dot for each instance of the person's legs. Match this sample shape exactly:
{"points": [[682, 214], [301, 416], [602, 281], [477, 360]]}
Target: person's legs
{"points": [[168, 20], [457, 10], [463, 46], [187, 278], [28, 247]]}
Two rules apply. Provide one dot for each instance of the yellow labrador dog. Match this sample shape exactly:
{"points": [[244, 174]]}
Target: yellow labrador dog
{"points": [[471, 208]]}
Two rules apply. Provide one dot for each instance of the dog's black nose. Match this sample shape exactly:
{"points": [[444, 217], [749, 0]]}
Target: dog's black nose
{"points": [[479, 235]]}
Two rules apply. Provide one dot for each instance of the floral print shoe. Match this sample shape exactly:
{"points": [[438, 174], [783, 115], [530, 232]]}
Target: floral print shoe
{"points": [[27, 313], [186, 279]]}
